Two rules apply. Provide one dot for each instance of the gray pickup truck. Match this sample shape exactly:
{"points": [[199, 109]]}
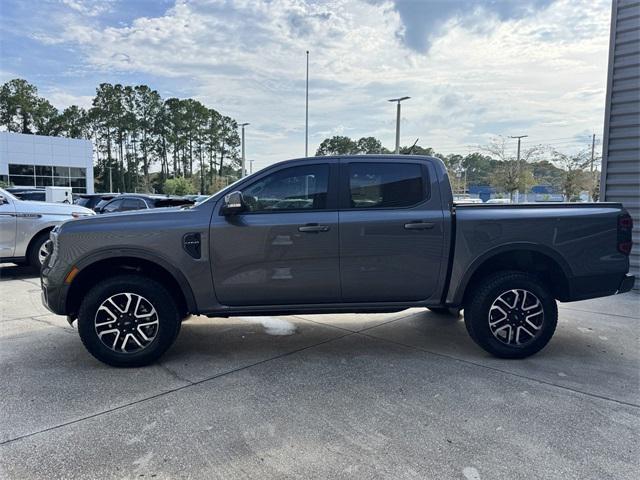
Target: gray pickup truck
{"points": [[334, 234]]}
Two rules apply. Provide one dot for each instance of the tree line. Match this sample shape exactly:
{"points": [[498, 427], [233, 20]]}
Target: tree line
{"points": [[493, 165], [134, 130]]}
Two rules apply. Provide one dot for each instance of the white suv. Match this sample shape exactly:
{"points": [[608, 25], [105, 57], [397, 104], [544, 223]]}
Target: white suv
{"points": [[25, 227]]}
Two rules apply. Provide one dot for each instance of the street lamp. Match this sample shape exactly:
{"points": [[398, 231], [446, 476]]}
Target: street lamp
{"points": [[398, 100], [244, 167]]}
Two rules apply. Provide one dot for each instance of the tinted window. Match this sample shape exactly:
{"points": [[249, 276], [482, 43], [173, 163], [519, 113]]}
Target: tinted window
{"points": [[83, 201], [132, 204], [295, 188], [380, 185], [114, 206]]}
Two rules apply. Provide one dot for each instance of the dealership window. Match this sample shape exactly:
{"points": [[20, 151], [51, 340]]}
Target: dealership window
{"points": [[43, 176]]}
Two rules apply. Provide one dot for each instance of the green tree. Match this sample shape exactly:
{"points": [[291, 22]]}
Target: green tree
{"points": [[73, 123], [178, 186], [575, 178], [510, 175], [337, 145], [23, 111], [370, 145]]}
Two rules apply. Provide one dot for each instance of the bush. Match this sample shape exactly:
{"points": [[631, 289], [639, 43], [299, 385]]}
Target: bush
{"points": [[178, 186]]}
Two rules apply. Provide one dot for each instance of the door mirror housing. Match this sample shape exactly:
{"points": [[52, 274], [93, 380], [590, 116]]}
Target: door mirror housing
{"points": [[233, 203]]}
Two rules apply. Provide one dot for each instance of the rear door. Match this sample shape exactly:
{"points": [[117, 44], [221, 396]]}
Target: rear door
{"points": [[283, 249], [391, 230]]}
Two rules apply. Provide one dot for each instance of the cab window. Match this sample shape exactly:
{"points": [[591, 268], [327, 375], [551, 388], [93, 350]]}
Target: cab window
{"points": [[296, 188], [385, 185]]}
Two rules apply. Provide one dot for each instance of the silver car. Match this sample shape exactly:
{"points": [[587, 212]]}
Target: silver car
{"points": [[25, 227]]}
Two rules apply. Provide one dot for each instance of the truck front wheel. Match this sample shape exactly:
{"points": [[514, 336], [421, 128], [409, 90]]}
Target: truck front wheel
{"points": [[128, 321], [511, 314]]}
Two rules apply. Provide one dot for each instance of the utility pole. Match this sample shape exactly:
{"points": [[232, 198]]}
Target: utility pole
{"points": [[250, 166], [398, 100], [306, 113], [519, 167], [244, 166]]}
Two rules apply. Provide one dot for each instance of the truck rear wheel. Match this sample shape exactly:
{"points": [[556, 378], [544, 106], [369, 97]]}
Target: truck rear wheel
{"points": [[511, 315], [128, 321]]}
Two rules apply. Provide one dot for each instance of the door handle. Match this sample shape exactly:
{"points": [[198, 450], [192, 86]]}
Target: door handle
{"points": [[419, 226], [313, 228]]}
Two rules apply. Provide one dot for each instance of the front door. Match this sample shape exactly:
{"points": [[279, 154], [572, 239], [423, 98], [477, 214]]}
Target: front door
{"points": [[391, 230], [8, 225], [283, 250]]}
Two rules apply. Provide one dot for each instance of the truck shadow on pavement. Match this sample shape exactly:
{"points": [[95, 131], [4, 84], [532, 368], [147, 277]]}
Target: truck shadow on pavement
{"points": [[10, 271]]}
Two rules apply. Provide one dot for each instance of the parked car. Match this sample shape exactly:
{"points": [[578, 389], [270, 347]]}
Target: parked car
{"points": [[25, 227], [499, 200], [334, 234], [91, 200], [127, 202]]}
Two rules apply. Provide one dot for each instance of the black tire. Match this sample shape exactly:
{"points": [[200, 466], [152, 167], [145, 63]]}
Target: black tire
{"points": [[34, 249], [479, 313], [450, 312], [166, 330]]}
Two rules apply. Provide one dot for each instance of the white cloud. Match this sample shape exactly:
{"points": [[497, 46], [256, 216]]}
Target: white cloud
{"points": [[543, 75]]}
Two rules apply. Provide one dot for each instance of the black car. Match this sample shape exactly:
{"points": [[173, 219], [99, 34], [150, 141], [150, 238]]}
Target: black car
{"points": [[92, 200], [127, 202]]}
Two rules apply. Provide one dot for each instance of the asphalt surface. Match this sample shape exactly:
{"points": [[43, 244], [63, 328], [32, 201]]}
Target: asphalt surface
{"points": [[403, 395]]}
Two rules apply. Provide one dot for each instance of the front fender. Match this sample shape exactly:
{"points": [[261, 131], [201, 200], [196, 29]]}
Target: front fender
{"points": [[132, 252]]}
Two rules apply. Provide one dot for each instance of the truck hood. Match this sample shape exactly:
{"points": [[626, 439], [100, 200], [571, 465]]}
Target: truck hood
{"points": [[126, 218], [50, 208]]}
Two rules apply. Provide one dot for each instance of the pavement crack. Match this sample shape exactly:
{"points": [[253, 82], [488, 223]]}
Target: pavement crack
{"points": [[174, 374], [506, 372], [172, 390], [348, 329]]}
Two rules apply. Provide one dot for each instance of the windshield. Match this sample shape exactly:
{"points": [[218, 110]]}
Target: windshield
{"points": [[7, 194], [82, 201]]}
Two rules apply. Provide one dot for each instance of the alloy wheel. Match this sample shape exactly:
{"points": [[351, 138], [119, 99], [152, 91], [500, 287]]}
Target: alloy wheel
{"points": [[516, 317], [43, 251], [126, 322]]}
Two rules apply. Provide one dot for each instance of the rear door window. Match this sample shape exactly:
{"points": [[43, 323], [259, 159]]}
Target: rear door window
{"points": [[385, 185], [133, 204]]}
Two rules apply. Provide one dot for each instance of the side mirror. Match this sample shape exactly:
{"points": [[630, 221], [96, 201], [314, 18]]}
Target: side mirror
{"points": [[233, 204]]}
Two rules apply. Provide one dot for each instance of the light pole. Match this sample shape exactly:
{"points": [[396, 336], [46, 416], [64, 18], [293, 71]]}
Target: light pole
{"points": [[398, 100], [244, 167], [306, 113]]}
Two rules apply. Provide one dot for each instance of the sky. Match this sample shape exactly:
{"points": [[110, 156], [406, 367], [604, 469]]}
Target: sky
{"points": [[474, 69]]}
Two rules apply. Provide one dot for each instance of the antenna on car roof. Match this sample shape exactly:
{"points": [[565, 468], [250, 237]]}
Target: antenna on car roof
{"points": [[413, 146]]}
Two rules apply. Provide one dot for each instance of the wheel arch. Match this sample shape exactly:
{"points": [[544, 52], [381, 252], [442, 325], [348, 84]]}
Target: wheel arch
{"points": [[531, 258], [99, 266], [30, 245]]}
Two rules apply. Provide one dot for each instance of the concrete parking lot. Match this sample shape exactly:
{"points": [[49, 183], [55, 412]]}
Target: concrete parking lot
{"points": [[403, 395]]}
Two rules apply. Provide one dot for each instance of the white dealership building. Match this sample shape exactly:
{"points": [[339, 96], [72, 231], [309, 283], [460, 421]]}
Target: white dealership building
{"points": [[40, 161]]}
